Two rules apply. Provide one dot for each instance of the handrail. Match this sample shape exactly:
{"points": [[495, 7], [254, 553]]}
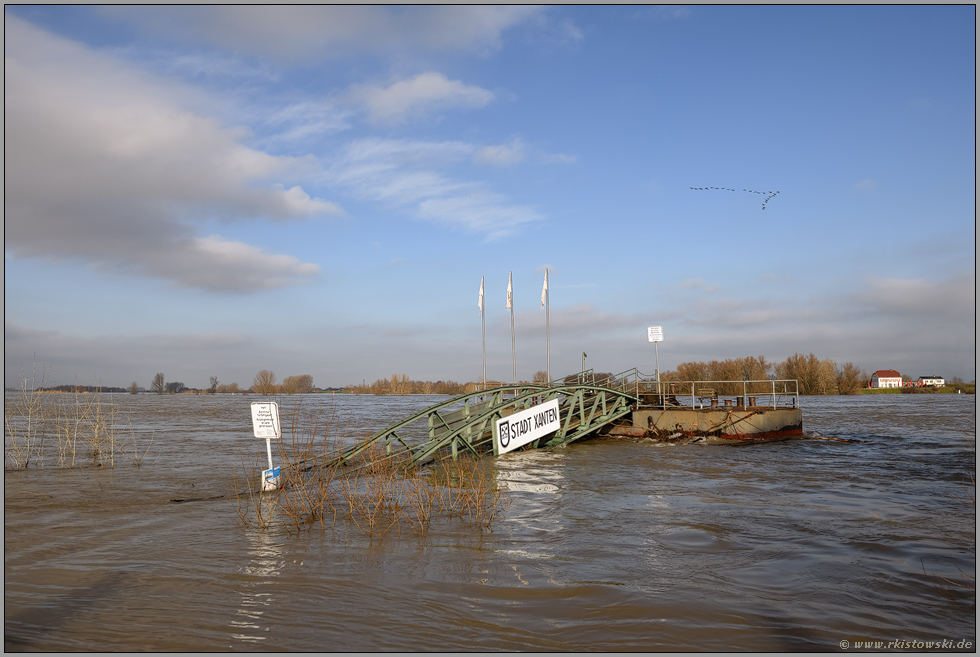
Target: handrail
{"points": [[781, 392]]}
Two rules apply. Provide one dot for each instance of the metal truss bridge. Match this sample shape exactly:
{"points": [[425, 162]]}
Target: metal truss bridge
{"points": [[464, 424]]}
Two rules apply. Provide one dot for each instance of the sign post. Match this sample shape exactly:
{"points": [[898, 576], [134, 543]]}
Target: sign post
{"points": [[655, 334], [265, 424]]}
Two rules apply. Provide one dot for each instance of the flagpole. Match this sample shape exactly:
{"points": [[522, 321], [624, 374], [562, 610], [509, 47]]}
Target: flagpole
{"points": [[510, 304], [547, 319], [483, 321]]}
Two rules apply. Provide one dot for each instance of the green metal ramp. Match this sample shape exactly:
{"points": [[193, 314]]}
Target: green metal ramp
{"points": [[465, 423]]}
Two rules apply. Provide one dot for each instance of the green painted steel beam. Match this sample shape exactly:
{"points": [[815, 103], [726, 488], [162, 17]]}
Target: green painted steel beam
{"points": [[584, 408]]}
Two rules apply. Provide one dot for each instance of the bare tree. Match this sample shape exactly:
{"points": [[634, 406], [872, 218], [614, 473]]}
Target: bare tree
{"points": [[134, 388], [159, 384], [540, 378], [849, 379], [264, 383], [297, 384], [815, 376], [214, 385]]}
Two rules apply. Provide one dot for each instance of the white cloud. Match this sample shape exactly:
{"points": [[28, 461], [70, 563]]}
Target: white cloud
{"points": [[302, 32], [866, 185], [479, 211], [104, 165], [407, 174], [213, 263], [920, 305], [559, 158], [584, 319], [305, 119], [503, 155], [415, 97], [697, 284]]}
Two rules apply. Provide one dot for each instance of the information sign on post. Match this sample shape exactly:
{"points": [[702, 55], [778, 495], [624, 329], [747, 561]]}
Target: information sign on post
{"points": [[265, 420], [265, 424], [520, 428], [655, 334]]}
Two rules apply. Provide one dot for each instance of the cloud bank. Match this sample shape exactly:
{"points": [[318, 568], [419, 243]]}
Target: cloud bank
{"points": [[415, 97], [408, 174], [104, 166], [302, 32]]}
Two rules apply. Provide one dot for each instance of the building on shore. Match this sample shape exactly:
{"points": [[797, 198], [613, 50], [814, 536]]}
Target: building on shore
{"points": [[932, 381], [886, 379]]}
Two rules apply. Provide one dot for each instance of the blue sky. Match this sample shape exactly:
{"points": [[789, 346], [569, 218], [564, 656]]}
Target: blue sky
{"points": [[215, 191]]}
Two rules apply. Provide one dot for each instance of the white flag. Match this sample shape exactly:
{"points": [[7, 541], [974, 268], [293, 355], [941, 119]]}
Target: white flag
{"points": [[480, 303], [544, 290], [510, 290]]}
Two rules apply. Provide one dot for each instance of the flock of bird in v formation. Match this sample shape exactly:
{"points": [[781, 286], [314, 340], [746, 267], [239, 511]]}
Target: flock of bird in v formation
{"points": [[729, 189]]}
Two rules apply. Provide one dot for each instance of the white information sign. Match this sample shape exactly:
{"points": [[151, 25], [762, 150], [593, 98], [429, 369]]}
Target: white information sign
{"points": [[655, 333], [265, 420], [521, 428]]}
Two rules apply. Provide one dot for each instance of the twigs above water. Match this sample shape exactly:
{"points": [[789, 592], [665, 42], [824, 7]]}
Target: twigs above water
{"points": [[376, 492], [82, 424]]}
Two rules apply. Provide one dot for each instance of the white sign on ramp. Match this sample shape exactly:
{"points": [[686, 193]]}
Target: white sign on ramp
{"points": [[265, 420], [525, 426]]}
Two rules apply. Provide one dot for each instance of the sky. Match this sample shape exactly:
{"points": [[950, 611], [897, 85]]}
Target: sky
{"points": [[213, 191]]}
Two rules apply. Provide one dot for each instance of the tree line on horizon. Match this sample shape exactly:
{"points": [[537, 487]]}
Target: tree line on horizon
{"points": [[264, 383], [815, 376]]}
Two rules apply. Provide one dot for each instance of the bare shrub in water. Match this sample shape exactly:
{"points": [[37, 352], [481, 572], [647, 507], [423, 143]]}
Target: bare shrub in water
{"points": [[252, 508], [24, 422], [376, 492], [371, 492], [70, 423], [471, 490], [306, 493], [422, 498], [103, 432]]}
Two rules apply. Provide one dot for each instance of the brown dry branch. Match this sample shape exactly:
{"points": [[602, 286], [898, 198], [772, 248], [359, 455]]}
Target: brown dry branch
{"points": [[70, 422], [306, 492], [137, 457], [375, 492], [24, 422], [103, 432], [250, 504]]}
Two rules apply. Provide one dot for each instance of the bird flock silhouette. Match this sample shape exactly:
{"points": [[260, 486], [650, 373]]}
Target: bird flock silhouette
{"points": [[729, 189]]}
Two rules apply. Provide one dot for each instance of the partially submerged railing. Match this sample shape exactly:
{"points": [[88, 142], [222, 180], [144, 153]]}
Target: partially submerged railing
{"points": [[764, 393], [767, 393]]}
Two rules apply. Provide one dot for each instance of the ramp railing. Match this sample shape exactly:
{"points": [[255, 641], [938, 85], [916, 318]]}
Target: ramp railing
{"points": [[759, 393]]}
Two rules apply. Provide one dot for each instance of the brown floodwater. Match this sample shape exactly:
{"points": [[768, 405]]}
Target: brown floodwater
{"points": [[605, 545]]}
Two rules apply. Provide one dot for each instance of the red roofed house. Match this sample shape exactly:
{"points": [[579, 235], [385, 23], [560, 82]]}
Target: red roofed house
{"points": [[886, 379]]}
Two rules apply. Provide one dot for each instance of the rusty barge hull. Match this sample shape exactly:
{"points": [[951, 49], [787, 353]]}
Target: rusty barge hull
{"points": [[735, 424]]}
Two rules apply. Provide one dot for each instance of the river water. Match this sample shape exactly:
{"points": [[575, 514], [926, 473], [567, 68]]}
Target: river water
{"points": [[605, 545]]}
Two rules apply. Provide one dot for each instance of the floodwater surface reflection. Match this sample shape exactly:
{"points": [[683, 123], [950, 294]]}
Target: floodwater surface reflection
{"points": [[604, 544]]}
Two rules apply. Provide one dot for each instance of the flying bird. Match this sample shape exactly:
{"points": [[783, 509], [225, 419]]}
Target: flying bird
{"points": [[771, 194]]}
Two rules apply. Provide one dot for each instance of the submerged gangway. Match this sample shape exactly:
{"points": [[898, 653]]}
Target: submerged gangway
{"points": [[587, 405], [464, 424]]}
